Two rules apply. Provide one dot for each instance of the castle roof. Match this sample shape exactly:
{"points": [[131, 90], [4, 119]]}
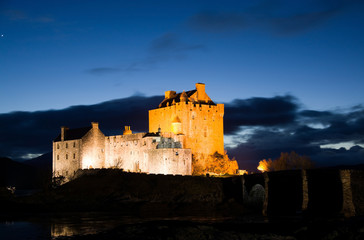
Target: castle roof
{"points": [[74, 133], [177, 98]]}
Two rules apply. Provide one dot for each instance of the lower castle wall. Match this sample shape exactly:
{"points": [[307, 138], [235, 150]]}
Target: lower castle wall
{"points": [[170, 161], [127, 152], [135, 153]]}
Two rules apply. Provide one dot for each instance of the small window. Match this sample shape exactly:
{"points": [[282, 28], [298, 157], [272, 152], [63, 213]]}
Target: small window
{"points": [[57, 157], [74, 156], [66, 145], [74, 144], [57, 146], [66, 156]]}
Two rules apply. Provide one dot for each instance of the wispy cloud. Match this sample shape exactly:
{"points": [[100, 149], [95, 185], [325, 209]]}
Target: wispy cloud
{"points": [[170, 43], [167, 47], [278, 16], [19, 15], [103, 70]]}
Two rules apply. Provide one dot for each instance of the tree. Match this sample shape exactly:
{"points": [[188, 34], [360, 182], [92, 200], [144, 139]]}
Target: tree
{"points": [[213, 164], [287, 161]]}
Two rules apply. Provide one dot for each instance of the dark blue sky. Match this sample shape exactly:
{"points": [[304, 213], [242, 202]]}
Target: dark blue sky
{"points": [[56, 54]]}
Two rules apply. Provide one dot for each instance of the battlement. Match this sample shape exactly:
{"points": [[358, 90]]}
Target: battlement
{"points": [[200, 120]]}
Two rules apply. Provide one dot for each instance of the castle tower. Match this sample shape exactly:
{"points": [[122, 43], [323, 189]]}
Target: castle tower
{"points": [[193, 114]]}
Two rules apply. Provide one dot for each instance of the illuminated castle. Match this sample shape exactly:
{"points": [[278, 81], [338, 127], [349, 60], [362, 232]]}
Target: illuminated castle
{"points": [[185, 134], [194, 115]]}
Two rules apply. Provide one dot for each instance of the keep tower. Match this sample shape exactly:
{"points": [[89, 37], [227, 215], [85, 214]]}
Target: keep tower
{"points": [[194, 115]]}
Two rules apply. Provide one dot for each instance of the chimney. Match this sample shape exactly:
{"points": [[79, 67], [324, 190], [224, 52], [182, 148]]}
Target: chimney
{"points": [[63, 132], [95, 125], [169, 94], [201, 94], [127, 130]]}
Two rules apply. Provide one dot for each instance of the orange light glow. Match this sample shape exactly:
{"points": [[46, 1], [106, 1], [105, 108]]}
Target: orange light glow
{"points": [[263, 166]]}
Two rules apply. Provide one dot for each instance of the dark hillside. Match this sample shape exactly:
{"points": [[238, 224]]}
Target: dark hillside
{"points": [[22, 175], [43, 162]]}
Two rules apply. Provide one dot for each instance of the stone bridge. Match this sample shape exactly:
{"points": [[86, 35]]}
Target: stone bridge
{"points": [[310, 192]]}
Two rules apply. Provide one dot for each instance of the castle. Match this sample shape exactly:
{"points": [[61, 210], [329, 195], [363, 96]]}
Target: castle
{"points": [[185, 134]]}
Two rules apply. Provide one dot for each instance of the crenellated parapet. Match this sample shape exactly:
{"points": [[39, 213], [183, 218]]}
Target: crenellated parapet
{"points": [[193, 114]]}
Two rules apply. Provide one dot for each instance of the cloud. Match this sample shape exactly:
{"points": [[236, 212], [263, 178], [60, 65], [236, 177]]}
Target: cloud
{"points": [[279, 16], [170, 43], [259, 112], [334, 127], [218, 22], [33, 132], [261, 128], [103, 70], [164, 48], [15, 15], [19, 15]]}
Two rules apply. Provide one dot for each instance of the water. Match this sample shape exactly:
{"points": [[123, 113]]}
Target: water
{"points": [[75, 224], [14, 230]]}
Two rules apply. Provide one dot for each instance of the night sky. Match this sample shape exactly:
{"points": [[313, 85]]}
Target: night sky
{"points": [[291, 73]]}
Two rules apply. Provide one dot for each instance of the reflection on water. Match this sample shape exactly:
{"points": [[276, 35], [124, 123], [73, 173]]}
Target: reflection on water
{"points": [[83, 224], [68, 225]]}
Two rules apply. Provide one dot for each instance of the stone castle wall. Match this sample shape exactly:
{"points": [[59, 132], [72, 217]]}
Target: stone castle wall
{"points": [[93, 147], [201, 124], [66, 157], [175, 161], [136, 153], [127, 152]]}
